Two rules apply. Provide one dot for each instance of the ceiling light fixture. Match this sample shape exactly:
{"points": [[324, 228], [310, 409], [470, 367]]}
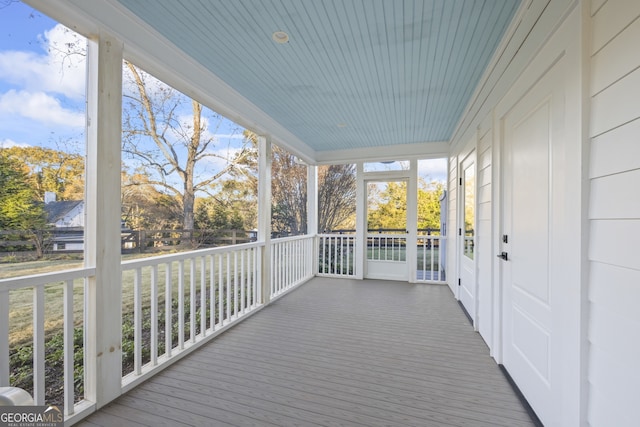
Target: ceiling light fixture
{"points": [[280, 37]]}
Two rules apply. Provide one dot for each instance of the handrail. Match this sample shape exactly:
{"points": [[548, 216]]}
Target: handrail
{"points": [[43, 279], [183, 256]]}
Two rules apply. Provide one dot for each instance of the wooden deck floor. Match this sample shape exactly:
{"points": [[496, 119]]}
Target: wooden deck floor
{"points": [[333, 353]]}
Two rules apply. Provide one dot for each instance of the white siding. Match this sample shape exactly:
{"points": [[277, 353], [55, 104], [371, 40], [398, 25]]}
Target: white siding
{"points": [[75, 218], [614, 212], [484, 236]]}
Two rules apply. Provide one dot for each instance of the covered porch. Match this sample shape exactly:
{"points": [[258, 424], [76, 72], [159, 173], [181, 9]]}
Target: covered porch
{"points": [[333, 352], [533, 103]]}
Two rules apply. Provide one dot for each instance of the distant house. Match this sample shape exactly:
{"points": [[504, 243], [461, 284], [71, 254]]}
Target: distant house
{"points": [[68, 218]]}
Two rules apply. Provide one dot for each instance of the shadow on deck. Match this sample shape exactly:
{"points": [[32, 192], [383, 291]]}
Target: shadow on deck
{"points": [[333, 353]]}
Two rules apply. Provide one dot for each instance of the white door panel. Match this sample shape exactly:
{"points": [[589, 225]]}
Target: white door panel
{"points": [[532, 130], [386, 250]]}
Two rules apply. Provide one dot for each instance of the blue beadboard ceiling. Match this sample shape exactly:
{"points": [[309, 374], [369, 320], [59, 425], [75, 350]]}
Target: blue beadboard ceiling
{"points": [[355, 73]]}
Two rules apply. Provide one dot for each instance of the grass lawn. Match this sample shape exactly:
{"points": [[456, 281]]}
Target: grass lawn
{"points": [[21, 301]]}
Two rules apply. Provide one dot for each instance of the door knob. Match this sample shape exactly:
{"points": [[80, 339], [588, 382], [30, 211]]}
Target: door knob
{"points": [[504, 256]]}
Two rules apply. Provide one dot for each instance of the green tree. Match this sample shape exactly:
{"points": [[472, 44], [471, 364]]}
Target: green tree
{"points": [[51, 170], [388, 206], [20, 208], [213, 215], [429, 195]]}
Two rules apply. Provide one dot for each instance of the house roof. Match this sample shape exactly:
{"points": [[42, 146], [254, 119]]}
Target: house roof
{"points": [[58, 210], [368, 78]]}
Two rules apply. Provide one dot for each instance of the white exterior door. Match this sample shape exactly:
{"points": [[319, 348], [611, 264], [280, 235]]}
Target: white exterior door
{"points": [[532, 315], [467, 289], [386, 248]]}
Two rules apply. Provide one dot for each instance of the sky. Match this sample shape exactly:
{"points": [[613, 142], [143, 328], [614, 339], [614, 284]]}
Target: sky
{"points": [[42, 90], [42, 87]]}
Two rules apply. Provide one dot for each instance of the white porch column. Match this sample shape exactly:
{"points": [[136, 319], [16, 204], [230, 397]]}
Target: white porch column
{"points": [[264, 213], [361, 222], [412, 220], [312, 214], [103, 304]]}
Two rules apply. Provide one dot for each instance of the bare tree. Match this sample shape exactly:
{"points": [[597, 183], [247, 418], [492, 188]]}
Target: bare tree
{"points": [[169, 144], [289, 193], [336, 196]]}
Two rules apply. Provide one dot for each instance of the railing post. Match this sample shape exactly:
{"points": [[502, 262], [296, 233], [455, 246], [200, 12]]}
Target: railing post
{"points": [[103, 307], [264, 214]]}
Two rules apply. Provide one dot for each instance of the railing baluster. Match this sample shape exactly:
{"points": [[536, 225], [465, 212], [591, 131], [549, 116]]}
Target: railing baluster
{"points": [[252, 275], [288, 277], [432, 252], [235, 283], [38, 345], [203, 296], [242, 283], [168, 310], [258, 279], [295, 261], [350, 242], [154, 315], [289, 270], [274, 261], [286, 272], [192, 300], [137, 321], [181, 304], [220, 292], [424, 258], [279, 267], [212, 293], [4, 337], [228, 286], [68, 348], [322, 246], [300, 253], [335, 256]]}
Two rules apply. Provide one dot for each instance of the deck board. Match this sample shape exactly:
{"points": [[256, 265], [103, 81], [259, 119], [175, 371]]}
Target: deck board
{"points": [[334, 353]]}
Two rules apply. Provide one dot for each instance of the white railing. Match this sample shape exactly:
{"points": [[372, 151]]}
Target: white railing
{"points": [[183, 299], [291, 263], [172, 304], [430, 266], [336, 255], [386, 247], [56, 303]]}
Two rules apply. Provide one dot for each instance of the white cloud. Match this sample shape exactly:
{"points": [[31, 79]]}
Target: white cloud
{"points": [[39, 107], [433, 169], [8, 143], [220, 136], [59, 69]]}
